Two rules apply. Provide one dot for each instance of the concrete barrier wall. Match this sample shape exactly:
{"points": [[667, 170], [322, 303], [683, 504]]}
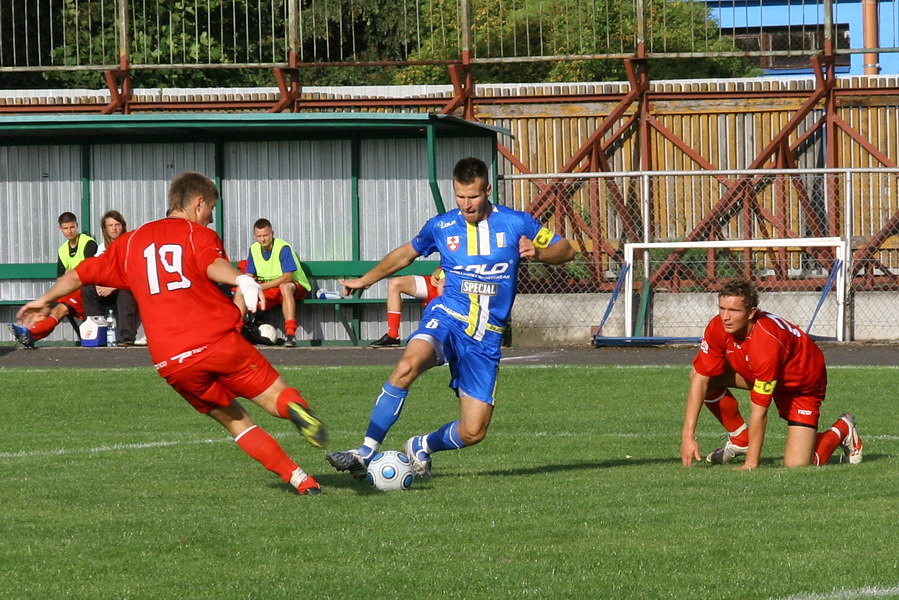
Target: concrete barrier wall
{"points": [[566, 319]]}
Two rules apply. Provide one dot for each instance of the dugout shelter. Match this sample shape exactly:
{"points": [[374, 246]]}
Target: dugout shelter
{"points": [[342, 188]]}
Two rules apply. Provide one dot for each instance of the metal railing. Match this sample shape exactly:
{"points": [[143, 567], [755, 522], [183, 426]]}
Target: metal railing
{"points": [[41, 35]]}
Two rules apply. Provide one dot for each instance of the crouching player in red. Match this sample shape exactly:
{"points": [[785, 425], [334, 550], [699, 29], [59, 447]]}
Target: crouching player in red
{"points": [[172, 267], [747, 348]]}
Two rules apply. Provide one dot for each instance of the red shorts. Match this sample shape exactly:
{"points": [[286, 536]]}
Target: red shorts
{"points": [[74, 302], [799, 409], [230, 368], [433, 292], [273, 295]]}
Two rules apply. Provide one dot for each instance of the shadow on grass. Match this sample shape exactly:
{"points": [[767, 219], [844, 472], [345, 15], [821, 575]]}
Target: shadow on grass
{"points": [[583, 466], [344, 481], [773, 463]]}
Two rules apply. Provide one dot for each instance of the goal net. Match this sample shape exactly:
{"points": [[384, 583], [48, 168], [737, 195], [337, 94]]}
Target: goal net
{"points": [[669, 290]]}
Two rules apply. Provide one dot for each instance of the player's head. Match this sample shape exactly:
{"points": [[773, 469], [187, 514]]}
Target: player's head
{"points": [[263, 233], [68, 225], [113, 225], [738, 303], [472, 189], [193, 196]]}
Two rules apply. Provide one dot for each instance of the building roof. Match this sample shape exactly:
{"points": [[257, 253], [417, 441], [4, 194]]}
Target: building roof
{"points": [[117, 128]]}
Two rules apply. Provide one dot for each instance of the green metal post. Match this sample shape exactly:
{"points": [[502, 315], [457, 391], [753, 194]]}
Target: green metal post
{"points": [[86, 218], [354, 192], [220, 205], [432, 170]]}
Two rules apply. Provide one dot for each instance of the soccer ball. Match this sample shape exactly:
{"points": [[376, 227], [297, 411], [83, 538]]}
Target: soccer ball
{"points": [[268, 332], [390, 470]]}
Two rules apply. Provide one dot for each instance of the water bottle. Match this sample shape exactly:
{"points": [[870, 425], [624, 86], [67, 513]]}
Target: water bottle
{"points": [[110, 329], [328, 295]]}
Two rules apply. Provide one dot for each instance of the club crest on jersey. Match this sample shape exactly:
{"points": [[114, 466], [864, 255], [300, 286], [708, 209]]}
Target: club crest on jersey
{"points": [[452, 242]]}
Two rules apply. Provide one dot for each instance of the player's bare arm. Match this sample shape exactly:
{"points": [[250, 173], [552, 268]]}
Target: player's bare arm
{"points": [[758, 422], [397, 259], [39, 308], [689, 447], [555, 254]]}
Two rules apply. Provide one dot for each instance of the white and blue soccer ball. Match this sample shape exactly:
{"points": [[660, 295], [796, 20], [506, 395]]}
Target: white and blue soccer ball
{"points": [[390, 470]]}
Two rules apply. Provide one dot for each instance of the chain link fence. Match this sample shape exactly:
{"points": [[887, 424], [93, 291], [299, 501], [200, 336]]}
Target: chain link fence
{"points": [[674, 292]]}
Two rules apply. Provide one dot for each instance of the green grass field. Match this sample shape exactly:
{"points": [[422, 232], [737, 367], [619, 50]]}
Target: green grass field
{"points": [[112, 487]]}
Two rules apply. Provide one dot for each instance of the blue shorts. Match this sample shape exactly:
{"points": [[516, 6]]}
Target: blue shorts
{"points": [[473, 364]]}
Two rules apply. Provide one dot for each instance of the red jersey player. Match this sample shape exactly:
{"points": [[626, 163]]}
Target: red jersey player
{"points": [[776, 361], [172, 267]]}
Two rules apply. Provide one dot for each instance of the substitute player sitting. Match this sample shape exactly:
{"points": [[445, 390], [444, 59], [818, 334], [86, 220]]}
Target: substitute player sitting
{"points": [[172, 267], [419, 287], [275, 265], [775, 360], [75, 249]]}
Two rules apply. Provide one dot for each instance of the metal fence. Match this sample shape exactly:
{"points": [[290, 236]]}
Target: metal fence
{"points": [[600, 212], [108, 34]]}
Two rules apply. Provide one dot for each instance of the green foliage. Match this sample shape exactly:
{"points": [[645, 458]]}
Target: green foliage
{"points": [[222, 32], [573, 28], [114, 488]]}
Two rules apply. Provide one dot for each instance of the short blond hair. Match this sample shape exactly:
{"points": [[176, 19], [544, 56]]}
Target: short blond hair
{"points": [[187, 186]]}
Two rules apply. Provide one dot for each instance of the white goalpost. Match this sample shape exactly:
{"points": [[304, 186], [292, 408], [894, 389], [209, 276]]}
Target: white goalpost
{"points": [[678, 280]]}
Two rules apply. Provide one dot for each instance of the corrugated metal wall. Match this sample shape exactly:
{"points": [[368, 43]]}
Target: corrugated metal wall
{"points": [[134, 178], [303, 187], [37, 183]]}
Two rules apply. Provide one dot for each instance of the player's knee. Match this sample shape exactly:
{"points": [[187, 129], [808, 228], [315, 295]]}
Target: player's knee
{"points": [[471, 436], [405, 372], [394, 285]]}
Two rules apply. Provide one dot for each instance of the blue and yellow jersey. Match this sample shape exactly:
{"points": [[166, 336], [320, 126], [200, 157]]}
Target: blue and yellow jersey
{"points": [[481, 263]]}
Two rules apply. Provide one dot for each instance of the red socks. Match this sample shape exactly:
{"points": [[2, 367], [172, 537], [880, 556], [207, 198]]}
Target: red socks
{"points": [[290, 326], [829, 440], [263, 447], [725, 408], [287, 396], [393, 323], [44, 328]]}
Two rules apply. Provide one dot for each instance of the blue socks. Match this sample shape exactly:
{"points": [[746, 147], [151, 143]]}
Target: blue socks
{"points": [[445, 438], [385, 413]]}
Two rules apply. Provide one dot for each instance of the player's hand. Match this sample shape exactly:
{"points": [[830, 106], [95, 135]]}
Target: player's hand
{"points": [[526, 248], [33, 312], [251, 291], [689, 451], [351, 285], [745, 467]]}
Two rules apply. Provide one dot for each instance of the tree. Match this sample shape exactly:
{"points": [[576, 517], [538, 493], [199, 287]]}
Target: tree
{"points": [[531, 28]]}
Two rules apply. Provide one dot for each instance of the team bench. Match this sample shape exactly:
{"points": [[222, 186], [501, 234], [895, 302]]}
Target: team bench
{"points": [[348, 310]]}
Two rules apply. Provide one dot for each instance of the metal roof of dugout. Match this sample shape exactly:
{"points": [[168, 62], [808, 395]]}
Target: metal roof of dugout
{"points": [[98, 128]]}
